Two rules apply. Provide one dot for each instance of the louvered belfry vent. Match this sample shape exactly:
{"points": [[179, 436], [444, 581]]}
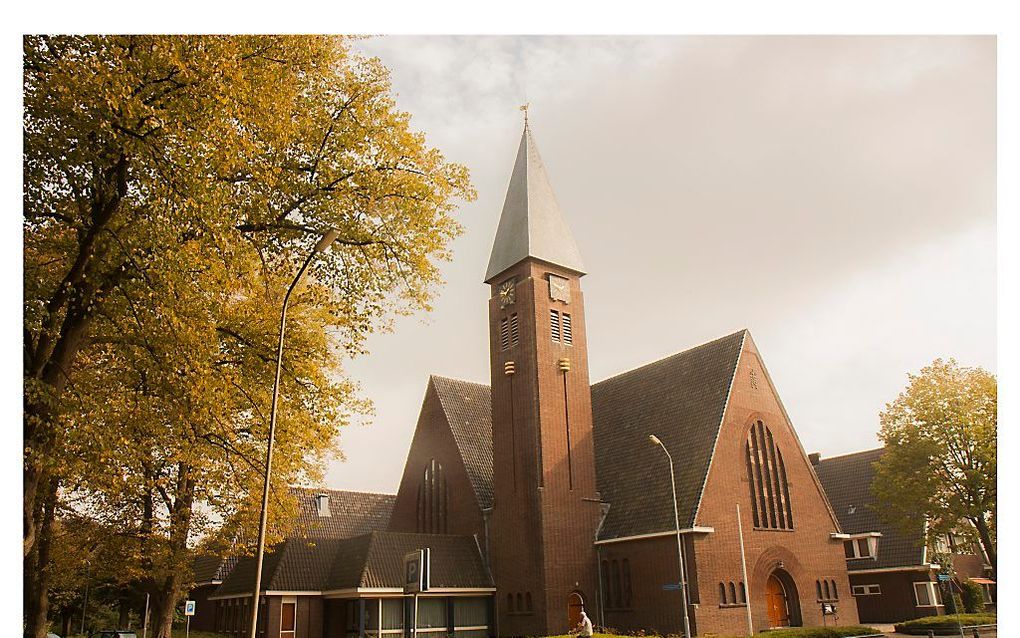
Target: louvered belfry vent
{"points": [[514, 335], [504, 334], [554, 325], [566, 330]]}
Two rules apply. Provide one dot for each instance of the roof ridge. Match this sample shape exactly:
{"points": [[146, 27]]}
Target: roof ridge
{"points": [[846, 454], [342, 491], [670, 356], [445, 378]]}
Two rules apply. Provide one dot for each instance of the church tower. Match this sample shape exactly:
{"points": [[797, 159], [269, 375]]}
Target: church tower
{"points": [[545, 505]]}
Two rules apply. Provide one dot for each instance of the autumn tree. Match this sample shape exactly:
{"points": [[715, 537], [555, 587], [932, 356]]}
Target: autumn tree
{"points": [[940, 459], [172, 185]]}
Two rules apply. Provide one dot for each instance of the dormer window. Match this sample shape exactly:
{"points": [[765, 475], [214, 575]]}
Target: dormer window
{"points": [[322, 505], [861, 546]]}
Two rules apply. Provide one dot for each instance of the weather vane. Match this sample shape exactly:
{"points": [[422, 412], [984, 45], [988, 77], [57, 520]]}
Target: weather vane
{"points": [[524, 107]]}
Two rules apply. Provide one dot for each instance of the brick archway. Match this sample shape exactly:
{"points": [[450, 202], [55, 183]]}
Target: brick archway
{"points": [[575, 605], [782, 565]]}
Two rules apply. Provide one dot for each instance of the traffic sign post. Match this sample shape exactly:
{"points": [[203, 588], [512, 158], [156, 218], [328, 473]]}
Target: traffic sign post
{"points": [[189, 611]]}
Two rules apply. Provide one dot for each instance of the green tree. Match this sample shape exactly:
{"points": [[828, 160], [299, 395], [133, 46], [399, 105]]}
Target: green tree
{"points": [[940, 459], [172, 185]]}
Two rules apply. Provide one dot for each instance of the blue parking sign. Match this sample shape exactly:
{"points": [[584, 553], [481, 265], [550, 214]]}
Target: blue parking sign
{"points": [[189, 608]]}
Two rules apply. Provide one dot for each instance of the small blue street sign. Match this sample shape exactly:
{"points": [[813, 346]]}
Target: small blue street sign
{"points": [[671, 587], [189, 608], [943, 578]]}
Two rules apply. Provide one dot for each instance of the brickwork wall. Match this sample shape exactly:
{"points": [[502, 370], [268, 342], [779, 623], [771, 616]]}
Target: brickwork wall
{"points": [[806, 553], [545, 504]]}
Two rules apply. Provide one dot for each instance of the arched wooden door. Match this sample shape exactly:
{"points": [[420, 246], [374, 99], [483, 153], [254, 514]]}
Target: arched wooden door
{"points": [[776, 603], [575, 605]]}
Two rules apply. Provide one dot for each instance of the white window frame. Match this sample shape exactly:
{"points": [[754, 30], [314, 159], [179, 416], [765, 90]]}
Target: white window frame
{"points": [[934, 594], [868, 590], [286, 600], [872, 546]]}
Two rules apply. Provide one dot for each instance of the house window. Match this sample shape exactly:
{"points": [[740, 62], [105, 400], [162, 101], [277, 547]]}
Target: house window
{"points": [[861, 547], [527, 602], [432, 500], [835, 592], [741, 593], [927, 594], [770, 491], [722, 593], [287, 619], [866, 590]]}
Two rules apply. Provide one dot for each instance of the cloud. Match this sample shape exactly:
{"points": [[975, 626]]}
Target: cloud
{"points": [[820, 191]]}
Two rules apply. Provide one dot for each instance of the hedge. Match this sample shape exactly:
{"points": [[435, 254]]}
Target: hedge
{"points": [[792, 632], [943, 625]]}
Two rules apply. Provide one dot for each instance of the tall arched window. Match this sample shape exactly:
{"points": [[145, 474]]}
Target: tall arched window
{"points": [[722, 593], [510, 603], [432, 500], [770, 491], [617, 598], [733, 593], [627, 591], [607, 584]]}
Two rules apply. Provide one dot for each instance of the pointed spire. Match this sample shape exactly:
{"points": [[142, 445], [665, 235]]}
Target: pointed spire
{"points": [[531, 224]]}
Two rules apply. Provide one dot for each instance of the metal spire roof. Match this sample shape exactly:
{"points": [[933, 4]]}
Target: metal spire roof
{"points": [[531, 224]]}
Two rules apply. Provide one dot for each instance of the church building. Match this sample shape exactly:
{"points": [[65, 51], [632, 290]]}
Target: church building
{"points": [[571, 501], [548, 494]]}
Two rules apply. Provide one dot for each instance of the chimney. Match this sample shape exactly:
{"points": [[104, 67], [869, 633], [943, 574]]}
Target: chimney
{"points": [[815, 458], [322, 504]]}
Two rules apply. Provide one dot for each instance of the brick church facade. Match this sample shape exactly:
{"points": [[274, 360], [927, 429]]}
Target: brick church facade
{"points": [[558, 501], [571, 503]]}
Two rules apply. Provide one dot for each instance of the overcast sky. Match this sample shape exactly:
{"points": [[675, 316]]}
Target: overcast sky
{"points": [[835, 195]]}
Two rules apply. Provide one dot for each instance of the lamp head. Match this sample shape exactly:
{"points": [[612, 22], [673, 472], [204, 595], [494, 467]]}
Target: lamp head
{"points": [[326, 240], [654, 439]]}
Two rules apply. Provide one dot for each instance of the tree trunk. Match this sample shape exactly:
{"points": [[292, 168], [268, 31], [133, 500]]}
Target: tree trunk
{"points": [[66, 614], [36, 621], [124, 614], [180, 528], [985, 536]]}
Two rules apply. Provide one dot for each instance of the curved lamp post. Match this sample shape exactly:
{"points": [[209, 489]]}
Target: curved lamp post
{"points": [[320, 247], [679, 547]]}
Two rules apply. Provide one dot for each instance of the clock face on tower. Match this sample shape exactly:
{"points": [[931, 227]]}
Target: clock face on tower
{"points": [[506, 293], [559, 288]]}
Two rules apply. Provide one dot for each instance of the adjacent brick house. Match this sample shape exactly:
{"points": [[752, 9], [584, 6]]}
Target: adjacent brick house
{"points": [[891, 575]]}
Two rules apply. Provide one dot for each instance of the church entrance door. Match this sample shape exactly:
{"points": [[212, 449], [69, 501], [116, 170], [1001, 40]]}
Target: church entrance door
{"points": [[575, 605], [776, 602]]}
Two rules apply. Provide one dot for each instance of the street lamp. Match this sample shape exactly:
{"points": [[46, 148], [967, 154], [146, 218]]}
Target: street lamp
{"points": [[320, 247], [679, 548]]}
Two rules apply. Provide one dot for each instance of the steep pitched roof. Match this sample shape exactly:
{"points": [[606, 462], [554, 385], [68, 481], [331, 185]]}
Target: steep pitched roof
{"points": [[531, 224], [351, 513], [847, 481], [302, 561], [468, 409], [377, 560], [680, 399], [212, 568]]}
